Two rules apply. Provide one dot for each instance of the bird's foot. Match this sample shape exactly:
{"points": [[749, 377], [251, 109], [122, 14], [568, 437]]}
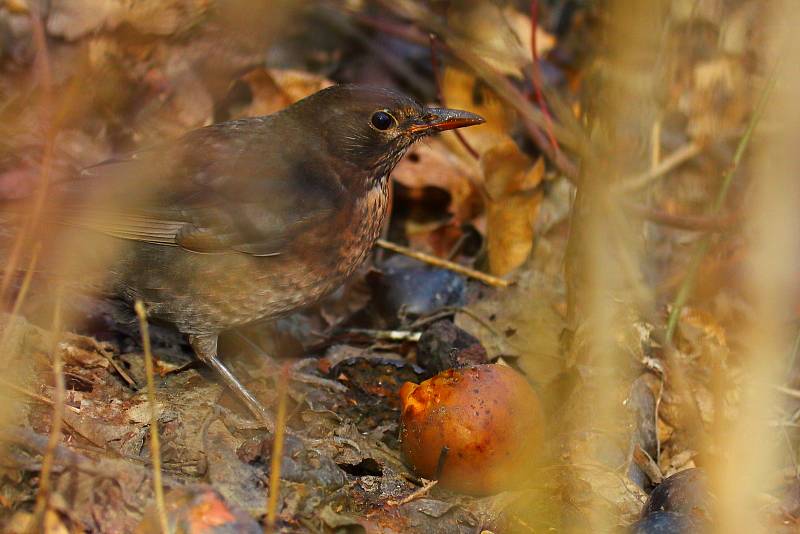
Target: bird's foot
{"points": [[206, 349]]}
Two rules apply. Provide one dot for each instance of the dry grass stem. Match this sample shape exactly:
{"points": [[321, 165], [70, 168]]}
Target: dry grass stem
{"points": [[487, 279], [701, 250], [155, 443], [421, 492], [536, 79], [770, 282], [277, 452], [660, 168], [39, 398], [437, 76], [59, 394]]}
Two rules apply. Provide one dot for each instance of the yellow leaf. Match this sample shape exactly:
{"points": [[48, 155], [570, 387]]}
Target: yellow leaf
{"points": [[511, 181]]}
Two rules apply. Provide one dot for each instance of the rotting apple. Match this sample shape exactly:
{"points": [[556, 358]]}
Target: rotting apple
{"points": [[476, 430]]}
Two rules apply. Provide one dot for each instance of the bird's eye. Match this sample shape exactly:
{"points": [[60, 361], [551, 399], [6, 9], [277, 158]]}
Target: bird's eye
{"points": [[382, 120]]}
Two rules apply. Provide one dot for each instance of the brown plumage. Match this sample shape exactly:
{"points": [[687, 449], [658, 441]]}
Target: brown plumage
{"points": [[253, 218]]}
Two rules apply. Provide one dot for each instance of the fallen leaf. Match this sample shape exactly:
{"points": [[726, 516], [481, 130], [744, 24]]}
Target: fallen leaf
{"points": [[461, 90], [718, 101], [500, 34], [433, 164], [511, 180], [73, 19], [179, 101], [274, 89]]}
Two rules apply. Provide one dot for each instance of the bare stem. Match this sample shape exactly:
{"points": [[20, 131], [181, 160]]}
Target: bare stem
{"points": [[444, 264], [277, 452], [155, 443], [687, 286], [43, 493]]}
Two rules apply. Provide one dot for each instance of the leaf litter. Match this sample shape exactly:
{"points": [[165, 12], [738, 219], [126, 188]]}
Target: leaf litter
{"points": [[130, 75]]}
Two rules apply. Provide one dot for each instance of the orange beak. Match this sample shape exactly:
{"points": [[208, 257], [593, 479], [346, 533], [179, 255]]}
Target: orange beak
{"points": [[441, 119]]}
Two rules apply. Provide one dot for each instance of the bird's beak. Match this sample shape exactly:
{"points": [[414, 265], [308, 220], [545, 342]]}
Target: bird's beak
{"points": [[441, 119]]}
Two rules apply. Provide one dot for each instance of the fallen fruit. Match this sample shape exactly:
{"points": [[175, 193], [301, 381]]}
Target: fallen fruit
{"points": [[685, 492], [477, 429], [681, 503]]}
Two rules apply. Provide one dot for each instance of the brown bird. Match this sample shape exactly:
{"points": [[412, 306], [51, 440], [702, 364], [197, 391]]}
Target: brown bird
{"points": [[252, 218]]}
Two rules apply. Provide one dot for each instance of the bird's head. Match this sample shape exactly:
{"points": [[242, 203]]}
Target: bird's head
{"points": [[371, 128]]}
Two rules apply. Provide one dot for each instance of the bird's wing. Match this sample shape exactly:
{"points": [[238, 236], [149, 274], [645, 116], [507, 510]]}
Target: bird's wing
{"points": [[231, 187]]}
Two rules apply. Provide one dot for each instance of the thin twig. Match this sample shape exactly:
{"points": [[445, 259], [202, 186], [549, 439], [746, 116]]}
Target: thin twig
{"points": [[696, 223], [39, 398], [435, 316], [437, 76], [277, 452], [387, 335], [678, 157], [155, 442], [421, 84], [536, 78], [687, 286], [121, 372], [791, 392], [795, 350], [444, 264], [13, 259], [26, 280], [475, 317], [416, 494], [43, 493], [46, 83], [531, 117], [296, 375], [645, 462], [655, 144]]}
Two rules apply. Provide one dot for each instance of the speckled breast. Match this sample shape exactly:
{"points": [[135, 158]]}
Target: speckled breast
{"points": [[228, 290]]}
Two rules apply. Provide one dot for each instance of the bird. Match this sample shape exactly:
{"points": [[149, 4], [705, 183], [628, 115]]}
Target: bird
{"points": [[249, 219]]}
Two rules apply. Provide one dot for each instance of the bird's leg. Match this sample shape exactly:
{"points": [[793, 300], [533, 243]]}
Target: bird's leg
{"points": [[295, 371], [205, 346]]}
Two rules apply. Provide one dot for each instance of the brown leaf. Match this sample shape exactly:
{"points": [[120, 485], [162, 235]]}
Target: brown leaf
{"points": [[718, 101], [511, 181], [180, 101], [433, 164], [501, 35], [73, 19], [459, 90], [524, 325], [274, 89], [164, 17]]}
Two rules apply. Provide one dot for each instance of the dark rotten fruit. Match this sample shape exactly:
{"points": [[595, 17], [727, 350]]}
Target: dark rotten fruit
{"points": [[248, 219]]}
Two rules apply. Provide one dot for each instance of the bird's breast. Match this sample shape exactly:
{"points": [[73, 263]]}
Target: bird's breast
{"points": [[366, 220]]}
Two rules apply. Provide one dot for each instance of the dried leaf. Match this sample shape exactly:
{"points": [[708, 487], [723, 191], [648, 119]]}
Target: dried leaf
{"points": [[433, 164], [274, 89], [511, 181], [459, 90], [521, 322], [164, 17], [73, 19], [719, 101], [180, 102], [501, 35]]}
